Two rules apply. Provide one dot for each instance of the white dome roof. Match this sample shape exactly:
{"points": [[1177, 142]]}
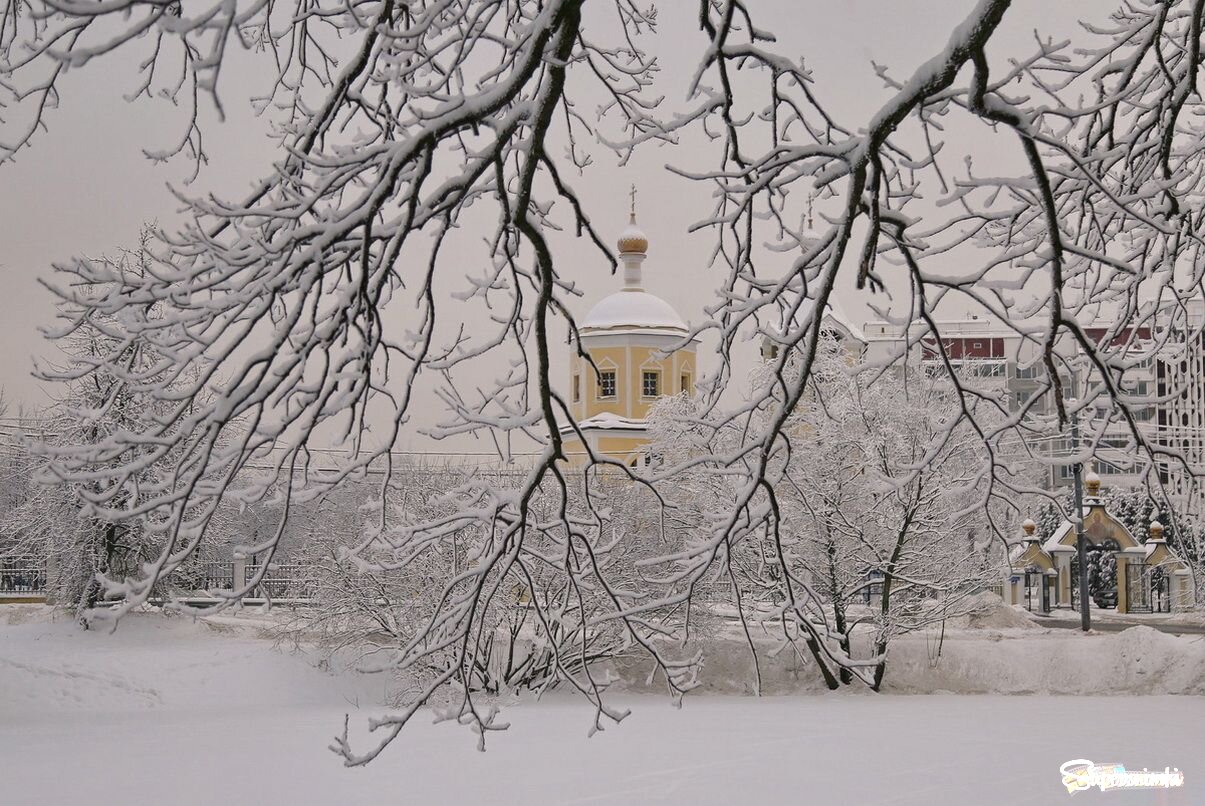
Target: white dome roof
{"points": [[632, 309]]}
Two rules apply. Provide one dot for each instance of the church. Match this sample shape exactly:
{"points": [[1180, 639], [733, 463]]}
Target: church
{"points": [[637, 350]]}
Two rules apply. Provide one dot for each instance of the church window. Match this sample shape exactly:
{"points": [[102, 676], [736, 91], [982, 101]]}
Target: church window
{"points": [[577, 388], [650, 384], [606, 383], [685, 383]]}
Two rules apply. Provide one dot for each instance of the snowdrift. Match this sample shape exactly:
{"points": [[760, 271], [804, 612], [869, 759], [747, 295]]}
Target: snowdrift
{"points": [[998, 649]]}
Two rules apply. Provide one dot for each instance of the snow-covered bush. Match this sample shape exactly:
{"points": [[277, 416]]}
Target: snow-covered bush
{"points": [[377, 592]]}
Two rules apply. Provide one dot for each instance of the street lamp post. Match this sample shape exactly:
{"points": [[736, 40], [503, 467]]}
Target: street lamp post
{"points": [[1081, 541]]}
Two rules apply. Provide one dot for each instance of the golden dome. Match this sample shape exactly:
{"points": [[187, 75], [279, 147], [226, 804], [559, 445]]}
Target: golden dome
{"points": [[633, 240]]}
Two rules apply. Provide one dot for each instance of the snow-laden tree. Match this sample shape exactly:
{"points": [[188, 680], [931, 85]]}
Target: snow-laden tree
{"points": [[374, 609], [86, 478], [889, 497], [406, 127], [874, 503]]}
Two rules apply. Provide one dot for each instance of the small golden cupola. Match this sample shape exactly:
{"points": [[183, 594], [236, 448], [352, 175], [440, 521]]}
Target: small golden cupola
{"points": [[1092, 484], [633, 241]]}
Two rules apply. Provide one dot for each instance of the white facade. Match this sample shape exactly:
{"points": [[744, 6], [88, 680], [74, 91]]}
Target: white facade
{"points": [[999, 360]]}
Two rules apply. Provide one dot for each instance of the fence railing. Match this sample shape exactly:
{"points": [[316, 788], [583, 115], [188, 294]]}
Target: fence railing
{"points": [[22, 575], [217, 576], [282, 581]]}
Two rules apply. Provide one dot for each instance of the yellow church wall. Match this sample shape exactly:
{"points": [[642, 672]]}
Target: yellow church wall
{"points": [[629, 362], [643, 359], [591, 404], [573, 449], [621, 448]]}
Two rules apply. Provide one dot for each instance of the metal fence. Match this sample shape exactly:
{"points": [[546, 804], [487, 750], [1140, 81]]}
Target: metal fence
{"points": [[22, 575], [217, 576], [287, 581], [282, 581]]}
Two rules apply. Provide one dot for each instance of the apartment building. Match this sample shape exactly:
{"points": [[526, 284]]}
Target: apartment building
{"points": [[995, 358]]}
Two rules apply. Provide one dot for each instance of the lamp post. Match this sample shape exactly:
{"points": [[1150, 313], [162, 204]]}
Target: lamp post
{"points": [[1081, 541]]}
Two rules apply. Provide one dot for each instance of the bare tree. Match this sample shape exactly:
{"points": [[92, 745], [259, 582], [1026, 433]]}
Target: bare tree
{"points": [[266, 314]]}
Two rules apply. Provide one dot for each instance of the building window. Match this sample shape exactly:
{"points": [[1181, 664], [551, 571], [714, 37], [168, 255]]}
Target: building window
{"points": [[577, 388], [650, 384], [606, 383], [685, 383]]}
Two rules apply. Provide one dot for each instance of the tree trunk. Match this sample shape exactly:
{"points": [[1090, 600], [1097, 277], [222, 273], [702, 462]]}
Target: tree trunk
{"points": [[880, 644], [838, 609], [830, 679], [103, 555]]}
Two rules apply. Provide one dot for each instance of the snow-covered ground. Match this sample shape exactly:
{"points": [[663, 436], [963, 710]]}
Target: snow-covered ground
{"points": [[168, 711]]}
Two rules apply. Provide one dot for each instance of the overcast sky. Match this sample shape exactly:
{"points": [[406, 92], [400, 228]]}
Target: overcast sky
{"points": [[85, 187]]}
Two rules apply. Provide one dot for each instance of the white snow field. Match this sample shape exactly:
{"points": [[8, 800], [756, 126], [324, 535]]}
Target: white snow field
{"points": [[170, 711]]}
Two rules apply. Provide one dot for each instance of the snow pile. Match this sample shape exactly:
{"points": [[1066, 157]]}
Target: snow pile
{"points": [[1146, 661], [991, 613], [1140, 660], [985, 659]]}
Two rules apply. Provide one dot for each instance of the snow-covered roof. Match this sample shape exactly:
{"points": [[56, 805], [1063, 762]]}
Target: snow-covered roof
{"points": [[609, 422], [832, 315], [1053, 542], [633, 308]]}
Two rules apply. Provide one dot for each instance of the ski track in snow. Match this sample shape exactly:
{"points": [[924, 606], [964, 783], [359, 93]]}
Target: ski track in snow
{"points": [[72, 684]]}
